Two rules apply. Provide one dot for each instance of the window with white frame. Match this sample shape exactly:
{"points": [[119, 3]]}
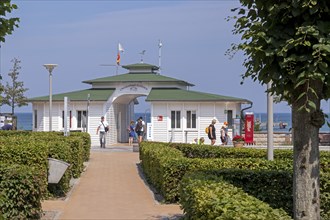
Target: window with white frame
{"points": [[81, 119], [191, 119], [175, 119]]}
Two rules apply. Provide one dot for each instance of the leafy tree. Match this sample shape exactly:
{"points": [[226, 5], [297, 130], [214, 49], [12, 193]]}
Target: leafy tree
{"points": [[287, 43], [1, 89], [7, 25], [14, 92]]}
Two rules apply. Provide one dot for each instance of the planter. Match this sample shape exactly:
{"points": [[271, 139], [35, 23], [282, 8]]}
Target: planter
{"points": [[56, 170], [238, 144]]}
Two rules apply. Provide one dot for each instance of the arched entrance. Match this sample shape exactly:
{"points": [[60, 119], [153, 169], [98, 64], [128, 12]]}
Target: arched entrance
{"points": [[123, 112]]}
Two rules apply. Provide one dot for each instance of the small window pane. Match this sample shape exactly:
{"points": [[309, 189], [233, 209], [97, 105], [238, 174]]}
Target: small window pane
{"points": [[193, 118], [79, 119], [35, 118], [188, 119], [172, 119], [62, 119], [178, 117]]}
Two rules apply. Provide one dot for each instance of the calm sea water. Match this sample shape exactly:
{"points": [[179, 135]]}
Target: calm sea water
{"points": [[284, 118], [24, 121]]}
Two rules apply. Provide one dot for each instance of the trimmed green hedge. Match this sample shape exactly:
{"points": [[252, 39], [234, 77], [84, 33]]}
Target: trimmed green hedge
{"points": [[20, 194], [270, 186], [208, 151], [165, 166], [34, 148], [86, 143], [23, 150], [210, 197]]}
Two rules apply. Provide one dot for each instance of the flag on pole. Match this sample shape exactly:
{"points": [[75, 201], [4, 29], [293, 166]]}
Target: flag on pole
{"points": [[118, 58], [120, 49]]}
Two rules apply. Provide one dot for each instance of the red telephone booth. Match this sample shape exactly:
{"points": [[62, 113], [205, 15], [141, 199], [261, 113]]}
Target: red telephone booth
{"points": [[249, 127]]}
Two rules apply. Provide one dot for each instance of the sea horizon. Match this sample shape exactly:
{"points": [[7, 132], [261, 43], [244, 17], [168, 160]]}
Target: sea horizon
{"points": [[24, 120]]}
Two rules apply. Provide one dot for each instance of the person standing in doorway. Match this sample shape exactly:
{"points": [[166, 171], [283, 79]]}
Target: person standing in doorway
{"points": [[103, 128], [211, 133], [131, 133], [139, 129]]}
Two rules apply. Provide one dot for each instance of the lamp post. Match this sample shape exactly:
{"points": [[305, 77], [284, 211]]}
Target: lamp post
{"points": [[50, 68]]}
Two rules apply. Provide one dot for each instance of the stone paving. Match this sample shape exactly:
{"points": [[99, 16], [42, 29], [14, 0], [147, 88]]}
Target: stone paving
{"points": [[112, 187]]}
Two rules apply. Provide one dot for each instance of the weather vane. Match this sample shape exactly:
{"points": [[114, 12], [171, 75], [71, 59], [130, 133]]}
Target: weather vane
{"points": [[142, 54]]}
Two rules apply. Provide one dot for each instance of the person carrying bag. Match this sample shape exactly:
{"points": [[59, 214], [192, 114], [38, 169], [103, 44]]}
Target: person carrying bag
{"points": [[103, 128]]}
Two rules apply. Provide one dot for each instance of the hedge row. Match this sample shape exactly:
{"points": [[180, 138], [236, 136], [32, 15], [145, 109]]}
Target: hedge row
{"points": [[208, 151], [165, 167], [20, 194], [205, 196], [33, 149]]}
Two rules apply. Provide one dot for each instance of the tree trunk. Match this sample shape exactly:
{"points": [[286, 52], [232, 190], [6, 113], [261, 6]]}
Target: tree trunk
{"points": [[306, 179]]}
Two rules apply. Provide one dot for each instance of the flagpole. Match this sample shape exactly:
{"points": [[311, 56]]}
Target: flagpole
{"points": [[160, 55]]}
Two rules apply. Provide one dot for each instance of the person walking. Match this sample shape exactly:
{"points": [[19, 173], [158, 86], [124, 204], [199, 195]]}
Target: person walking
{"points": [[224, 134], [212, 134], [139, 129], [103, 128], [131, 133]]}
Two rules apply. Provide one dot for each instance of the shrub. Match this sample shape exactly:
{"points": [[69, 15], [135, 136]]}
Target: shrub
{"points": [[210, 197], [20, 193]]}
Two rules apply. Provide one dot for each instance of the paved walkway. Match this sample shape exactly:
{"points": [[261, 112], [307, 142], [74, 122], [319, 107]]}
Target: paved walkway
{"points": [[111, 188]]}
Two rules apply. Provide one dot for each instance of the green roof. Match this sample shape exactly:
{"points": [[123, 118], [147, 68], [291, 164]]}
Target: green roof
{"points": [[141, 66], [81, 95], [173, 94], [137, 77]]}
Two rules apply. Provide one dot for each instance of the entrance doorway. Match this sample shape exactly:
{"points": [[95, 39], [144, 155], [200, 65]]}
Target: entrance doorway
{"points": [[126, 108]]}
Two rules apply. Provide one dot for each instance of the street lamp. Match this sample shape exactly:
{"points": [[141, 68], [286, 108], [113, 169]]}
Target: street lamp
{"points": [[50, 68]]}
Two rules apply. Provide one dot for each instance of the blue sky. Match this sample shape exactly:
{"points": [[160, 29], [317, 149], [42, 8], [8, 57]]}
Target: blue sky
{"points": [[81, 35]]}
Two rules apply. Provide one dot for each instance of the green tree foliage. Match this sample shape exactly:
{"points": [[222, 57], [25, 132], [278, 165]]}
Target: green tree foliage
{"points": [[7, 25], [1, 89], [14, 92], [287, 43]]}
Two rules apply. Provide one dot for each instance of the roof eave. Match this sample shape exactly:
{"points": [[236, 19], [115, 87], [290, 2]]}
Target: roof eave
{"points": [[203, 100]]}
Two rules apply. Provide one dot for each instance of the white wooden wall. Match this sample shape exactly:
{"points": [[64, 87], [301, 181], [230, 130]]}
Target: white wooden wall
{"points": [[119, 115], [40, 114], [205, 113]]}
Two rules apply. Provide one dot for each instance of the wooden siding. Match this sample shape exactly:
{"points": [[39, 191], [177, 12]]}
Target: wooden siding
{"points": [[205, 113], [40, 117], [95, 113], [118, 116], [112, 115], [159, 127]]}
